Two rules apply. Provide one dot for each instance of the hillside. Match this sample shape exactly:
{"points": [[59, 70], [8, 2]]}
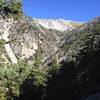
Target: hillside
{"points": [[26, 36]]}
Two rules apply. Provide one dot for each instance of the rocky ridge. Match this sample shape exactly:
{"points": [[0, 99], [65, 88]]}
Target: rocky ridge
{"points": [[58, 24]]}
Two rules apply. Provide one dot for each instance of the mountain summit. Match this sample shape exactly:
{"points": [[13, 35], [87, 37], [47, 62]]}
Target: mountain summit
{"points": [[58, 24]]}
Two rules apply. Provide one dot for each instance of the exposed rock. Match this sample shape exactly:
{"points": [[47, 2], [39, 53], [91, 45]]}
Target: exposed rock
{"points": [[59, 24]]}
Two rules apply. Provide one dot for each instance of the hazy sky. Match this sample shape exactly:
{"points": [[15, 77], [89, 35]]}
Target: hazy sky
{"points": [[77, 10]]}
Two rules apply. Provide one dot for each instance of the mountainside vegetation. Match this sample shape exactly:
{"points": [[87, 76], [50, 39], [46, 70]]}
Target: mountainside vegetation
{"points": [[74, 78], [37, 63]]}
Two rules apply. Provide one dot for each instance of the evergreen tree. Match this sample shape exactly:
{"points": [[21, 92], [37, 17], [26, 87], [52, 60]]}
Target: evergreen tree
{"points": [[11, 6]]}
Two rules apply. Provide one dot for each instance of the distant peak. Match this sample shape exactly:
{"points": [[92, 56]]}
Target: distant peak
{"points": [[58, 24]]}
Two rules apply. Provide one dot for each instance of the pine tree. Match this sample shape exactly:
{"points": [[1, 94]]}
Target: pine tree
{"points": [[11, 6]]}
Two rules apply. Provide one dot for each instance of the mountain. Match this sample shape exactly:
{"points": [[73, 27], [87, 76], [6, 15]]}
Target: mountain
{"points": [[45, 59], [26, 36], [58, 24]]}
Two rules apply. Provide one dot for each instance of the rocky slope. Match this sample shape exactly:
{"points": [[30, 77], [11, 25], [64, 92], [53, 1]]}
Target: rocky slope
{"points": [[59, 24], [78, 79], [26, 36]]}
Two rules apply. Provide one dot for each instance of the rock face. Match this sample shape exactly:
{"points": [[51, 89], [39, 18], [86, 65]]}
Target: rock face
{"points": [[6, 25], [58, 24], [27, 35]]}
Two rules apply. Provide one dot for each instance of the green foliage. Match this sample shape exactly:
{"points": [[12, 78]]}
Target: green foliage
{"points": [[55, 67], [35, 27], [38, 57], [39, 76], [2, 42], [12, 6], [9, 74], [16, 7], [1, 4], [12, 77]]}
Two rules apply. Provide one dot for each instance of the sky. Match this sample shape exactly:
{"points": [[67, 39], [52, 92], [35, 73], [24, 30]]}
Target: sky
{"points": [[76, 10]]}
